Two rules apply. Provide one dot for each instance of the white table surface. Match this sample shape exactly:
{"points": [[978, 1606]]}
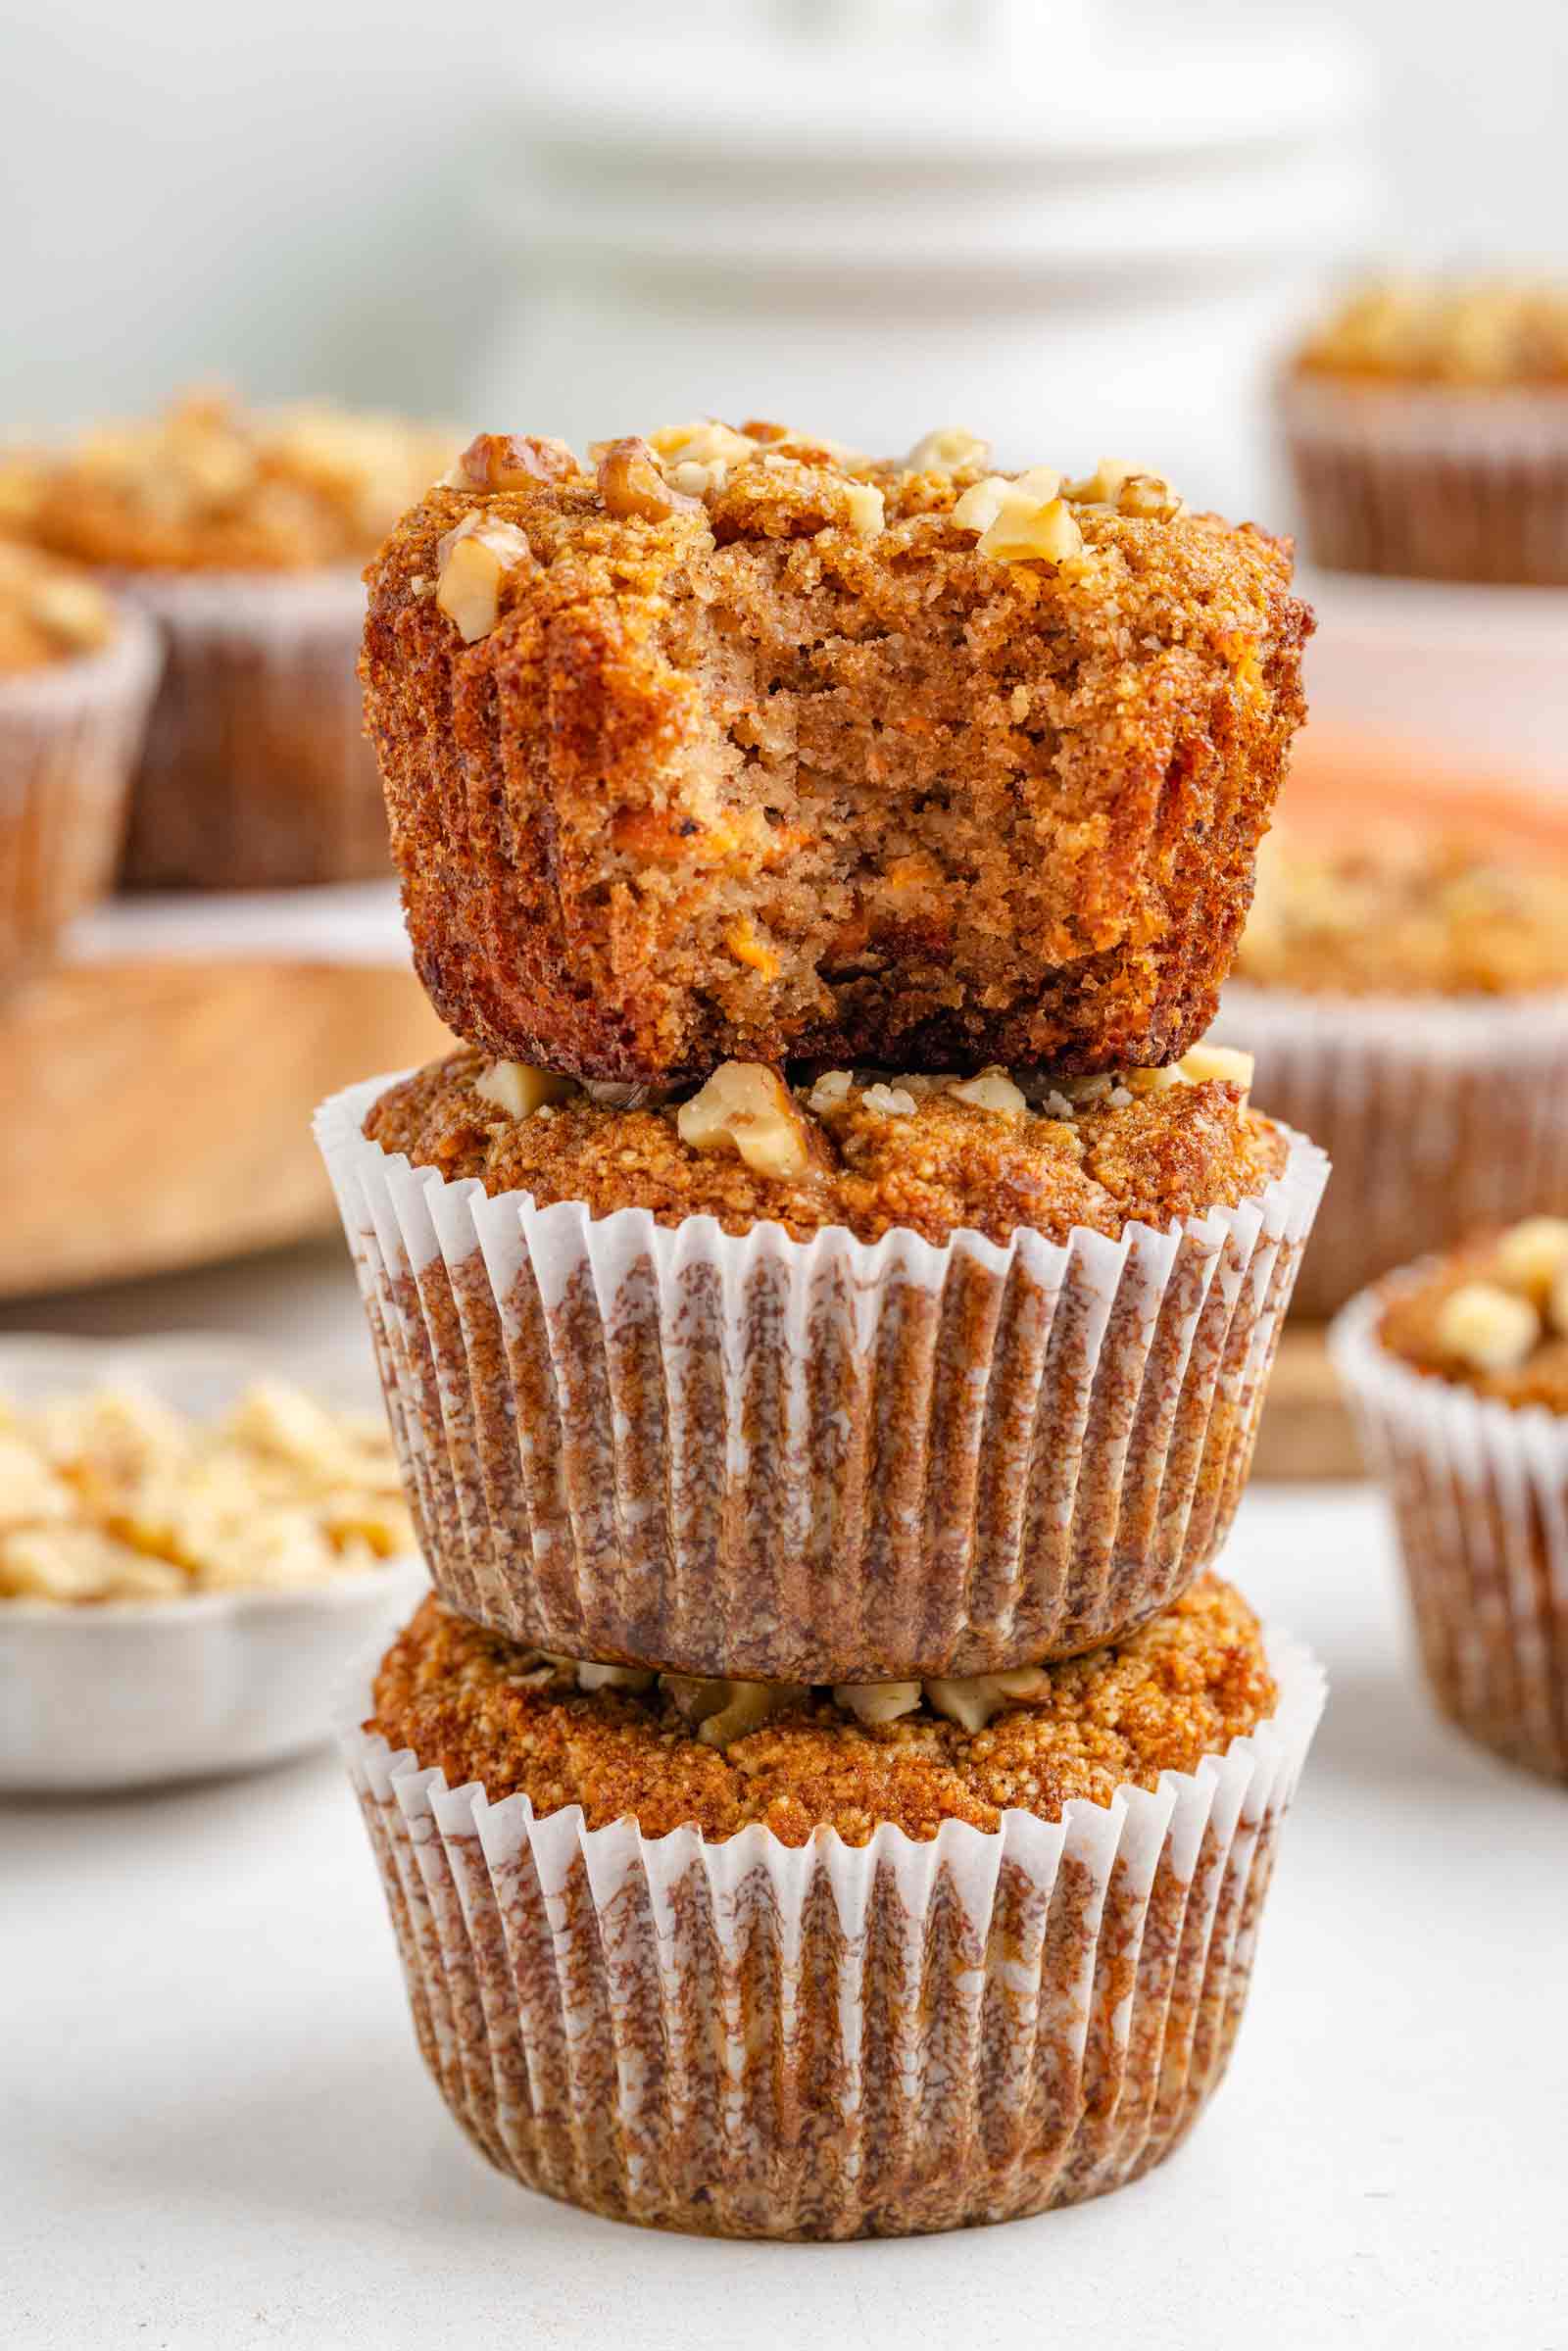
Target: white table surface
{"points": [[216, 2132]]}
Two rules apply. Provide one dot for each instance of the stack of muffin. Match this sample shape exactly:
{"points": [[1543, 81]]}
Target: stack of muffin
{"points": [[824, 1312]]}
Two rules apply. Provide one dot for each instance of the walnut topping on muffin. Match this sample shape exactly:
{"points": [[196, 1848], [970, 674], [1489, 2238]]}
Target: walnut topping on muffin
{"points": [[211, 486], [1493, 1315], [875, 1152], [1464, 332], [722, 1755], [48, 611], [1405, 913]]}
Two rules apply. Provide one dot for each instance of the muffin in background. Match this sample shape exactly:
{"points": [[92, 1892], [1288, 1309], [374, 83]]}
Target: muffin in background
{"points": [[1458, 1370], [242, 535], [77, 679], [814, 1963], [1402, 982], [1426, 427], [991, 1366]]}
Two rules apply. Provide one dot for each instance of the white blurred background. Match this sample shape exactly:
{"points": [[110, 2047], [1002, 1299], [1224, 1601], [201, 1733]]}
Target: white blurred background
{"points": [[1079, 224]]}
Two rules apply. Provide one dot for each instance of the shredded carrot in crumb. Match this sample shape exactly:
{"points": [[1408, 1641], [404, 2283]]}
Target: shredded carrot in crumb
{"points": [[746, 947]]}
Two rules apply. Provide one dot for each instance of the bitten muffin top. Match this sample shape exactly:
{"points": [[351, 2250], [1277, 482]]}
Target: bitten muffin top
{"points": [[1470, 332], [49, 612], [733, 742], [1184, 1685], [1403, 913], [874, 1154], [208, 486], [1492, 1316]]}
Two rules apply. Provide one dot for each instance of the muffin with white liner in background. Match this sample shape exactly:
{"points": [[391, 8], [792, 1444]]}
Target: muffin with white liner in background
{"points": [[77, 674], [858, 1378], [1458, 1368], [241, 536], [817, 1963], [1402, 983]]}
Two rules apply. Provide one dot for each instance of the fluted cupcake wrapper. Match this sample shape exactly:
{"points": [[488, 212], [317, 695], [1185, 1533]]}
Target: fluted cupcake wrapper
{"points": [[70, 734], [1431, 481], [810, 1461], [749, 2038], [1439, 1114], [1479, 1497], [256, 773]]}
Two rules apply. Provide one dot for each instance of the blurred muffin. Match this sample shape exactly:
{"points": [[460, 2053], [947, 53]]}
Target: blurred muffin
{"points": [[872, 1376], [77, 678], [735, 744], [242, 536], [1427, 425], [842, 1963], [1458, 1371], [1403, 984]]}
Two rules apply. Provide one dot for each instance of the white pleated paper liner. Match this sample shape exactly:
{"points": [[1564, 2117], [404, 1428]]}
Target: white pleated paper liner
{"points": [[70, 735], [1440, 1116], [1479, 1497], [1431, 481], [256, 773], [746, 2038], [810, 1461]]}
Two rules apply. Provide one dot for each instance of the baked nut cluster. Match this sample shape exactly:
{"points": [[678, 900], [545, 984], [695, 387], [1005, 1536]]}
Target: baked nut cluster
{"points": [[1466, 331], [112, 1497], [726, 743]]}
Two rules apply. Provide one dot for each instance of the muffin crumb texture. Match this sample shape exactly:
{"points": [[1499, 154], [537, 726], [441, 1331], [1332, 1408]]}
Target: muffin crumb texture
{"points": [[872, 1153], [1492, 1316], [1181, 1687], [730, 743]]}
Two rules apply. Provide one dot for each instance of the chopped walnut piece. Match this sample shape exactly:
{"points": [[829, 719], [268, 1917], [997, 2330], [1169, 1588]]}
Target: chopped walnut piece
{"points": [[1531, 1256], [868, 509], [631, 484], [1149, 497], [520, 1090], [873, 1703], [1022, 521], [635, 1678], [831, 1091], [949, 450], [890, 1101], [697, 458], [473, 560], [991, 1090], [746, 1108], [972, 1700], [1486, 1326], [495, 461], [1203, 1062]]}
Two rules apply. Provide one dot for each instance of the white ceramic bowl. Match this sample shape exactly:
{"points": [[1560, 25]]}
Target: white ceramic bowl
{"points": [[127, 1696]]}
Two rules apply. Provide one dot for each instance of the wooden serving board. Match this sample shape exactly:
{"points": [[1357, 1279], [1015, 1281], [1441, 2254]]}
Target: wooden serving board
{"points": [[156, 1114], [1306, 1431]]}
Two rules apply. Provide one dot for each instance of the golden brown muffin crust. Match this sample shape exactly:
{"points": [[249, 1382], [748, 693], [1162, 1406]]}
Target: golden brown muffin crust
{"points": [[752, 780], [945, 1165], [1181, 1687], [1403, 914], [210, 487], [1466, 332]]}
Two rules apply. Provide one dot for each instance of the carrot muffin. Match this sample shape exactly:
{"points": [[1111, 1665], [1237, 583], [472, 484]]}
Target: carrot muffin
{"points": [[1459, 1372], [1426, 425], [734, 744], [1404, 986], [241, 535], [863, 1377], [831, 1962], [76, 677]]}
